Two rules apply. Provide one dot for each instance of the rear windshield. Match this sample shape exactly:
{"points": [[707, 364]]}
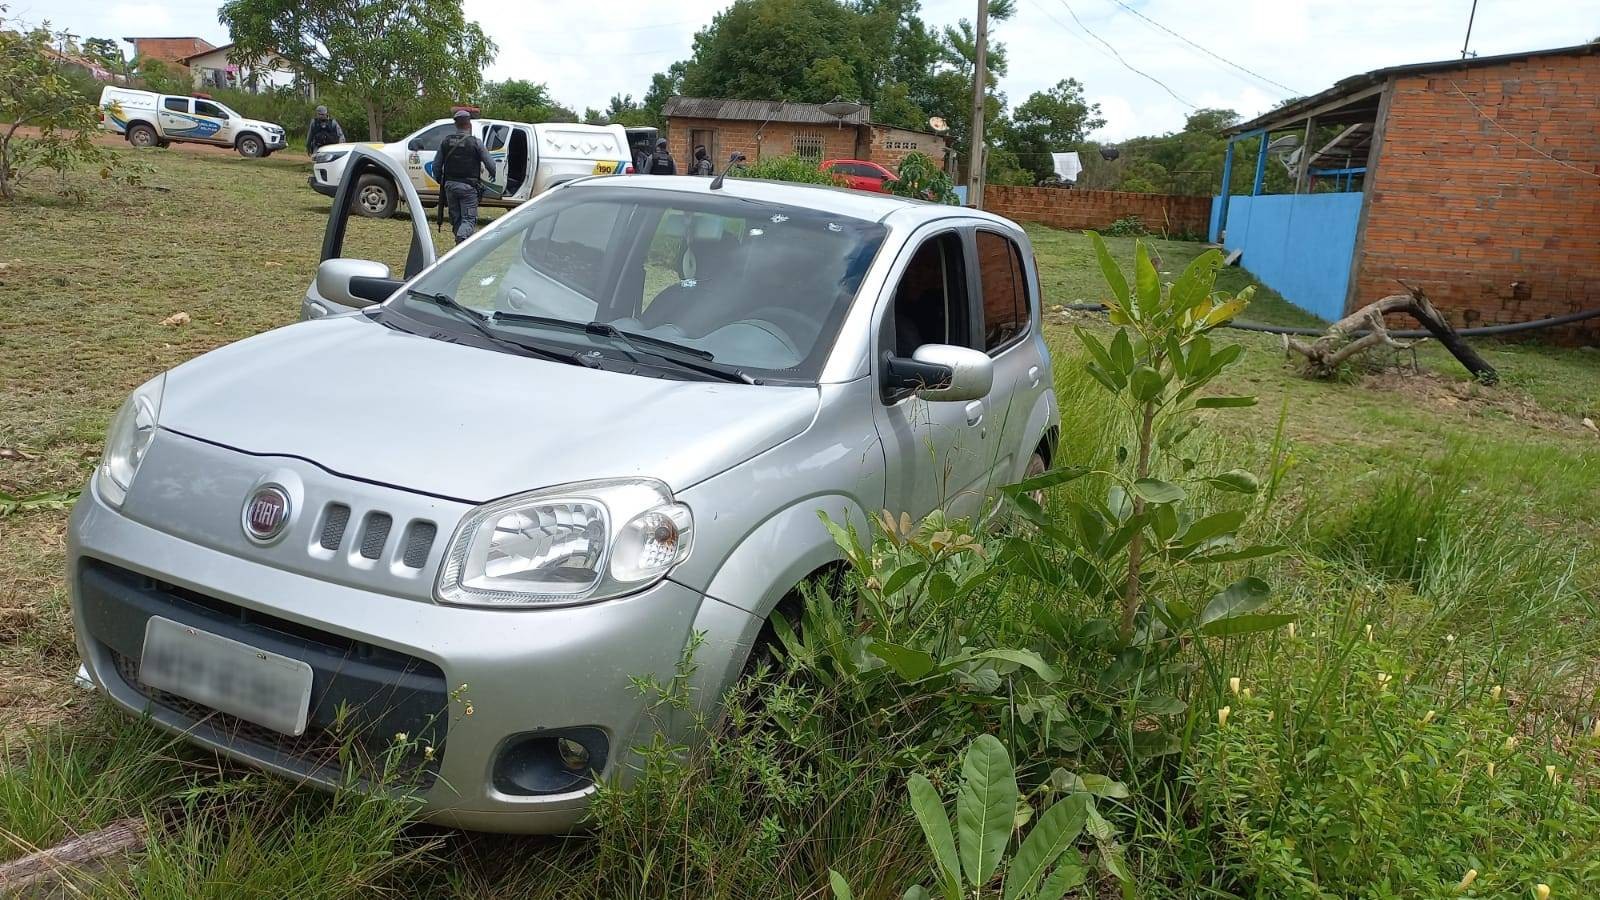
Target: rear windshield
{"points": [[757, 285]]}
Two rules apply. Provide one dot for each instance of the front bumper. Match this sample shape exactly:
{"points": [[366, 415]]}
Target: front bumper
{"points": [[326, 190], [482, 676], [276, 141]]}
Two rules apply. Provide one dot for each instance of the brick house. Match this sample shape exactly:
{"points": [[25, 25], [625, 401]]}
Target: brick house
{"points": [[172, 50], [1477, 180], [777, 128]]}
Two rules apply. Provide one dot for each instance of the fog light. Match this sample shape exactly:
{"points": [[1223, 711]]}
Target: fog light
{"points": [[574, 755], [555, 761]]}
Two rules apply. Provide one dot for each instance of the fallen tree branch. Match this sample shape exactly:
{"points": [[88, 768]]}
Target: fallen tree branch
{"points": [[1326, 354], [71, 855]]}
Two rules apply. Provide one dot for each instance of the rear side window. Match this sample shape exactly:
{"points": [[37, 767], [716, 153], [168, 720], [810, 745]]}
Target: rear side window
{"points": [[431, 138], [495, 137], [202, 108], [1005, 292], [176, 104]]}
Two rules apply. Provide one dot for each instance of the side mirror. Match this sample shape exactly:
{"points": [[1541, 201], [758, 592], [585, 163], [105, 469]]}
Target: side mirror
{"points": [[355, 282], [941, 372], [414, 145]]}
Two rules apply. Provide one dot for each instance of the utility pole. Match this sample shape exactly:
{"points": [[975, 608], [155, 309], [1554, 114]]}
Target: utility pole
{"points": [[977, 162], [1468, 41]]}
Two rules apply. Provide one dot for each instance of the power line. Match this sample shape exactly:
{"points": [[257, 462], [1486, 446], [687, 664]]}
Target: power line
{"points": [[1207, 51], [614, 30], [1127, 65]]}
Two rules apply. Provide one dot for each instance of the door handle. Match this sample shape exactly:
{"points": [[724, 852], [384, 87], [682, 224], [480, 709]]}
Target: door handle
{"points": [[1033, 375], [974, 412]]}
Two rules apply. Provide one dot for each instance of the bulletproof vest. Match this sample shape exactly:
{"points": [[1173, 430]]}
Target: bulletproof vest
{"points": [[458, 158]]}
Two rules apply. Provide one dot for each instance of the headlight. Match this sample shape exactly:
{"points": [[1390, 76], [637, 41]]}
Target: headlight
{"points": [[575, 543], [328, 156], [129, 436]]}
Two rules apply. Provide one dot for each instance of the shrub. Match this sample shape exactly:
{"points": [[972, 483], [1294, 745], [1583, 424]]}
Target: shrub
{"points": [[921, 179], [786, 168], [1128, 226]]}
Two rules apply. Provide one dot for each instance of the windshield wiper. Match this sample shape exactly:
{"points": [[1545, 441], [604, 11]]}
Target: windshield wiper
{"points": [[699, 361], [477, 319]]}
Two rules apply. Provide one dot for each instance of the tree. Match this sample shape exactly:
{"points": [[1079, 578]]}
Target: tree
{"points": [[763, 49], [386, 53], [520, 100], [622, 110], [1049, 122], [35, 91]]}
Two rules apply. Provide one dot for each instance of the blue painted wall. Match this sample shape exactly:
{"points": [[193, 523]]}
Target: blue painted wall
{"points": [[1297, 244]]}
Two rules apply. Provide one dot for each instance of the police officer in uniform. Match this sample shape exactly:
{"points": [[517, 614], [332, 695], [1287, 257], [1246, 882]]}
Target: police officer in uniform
{"points": [[457, 162], [323, 130], [660, 162]]}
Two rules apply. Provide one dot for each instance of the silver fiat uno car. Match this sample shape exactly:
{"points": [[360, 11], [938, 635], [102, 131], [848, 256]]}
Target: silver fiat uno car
{"points": [[600, 430]]}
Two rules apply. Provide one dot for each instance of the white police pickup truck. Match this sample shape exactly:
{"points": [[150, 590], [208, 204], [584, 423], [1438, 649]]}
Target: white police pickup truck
{"points": [[529, 159], [148, 119]]}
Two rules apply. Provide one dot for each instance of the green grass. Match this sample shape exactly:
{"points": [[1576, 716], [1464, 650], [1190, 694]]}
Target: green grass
{"points": [[1461, 521]]}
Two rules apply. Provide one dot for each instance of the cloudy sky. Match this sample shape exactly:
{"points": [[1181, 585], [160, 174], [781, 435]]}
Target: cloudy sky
{"points": [[1294, 46]]}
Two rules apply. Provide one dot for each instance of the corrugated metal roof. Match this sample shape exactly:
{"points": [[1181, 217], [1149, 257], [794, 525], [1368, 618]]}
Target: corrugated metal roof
{"points": [[1295, 111], [760, 111]]}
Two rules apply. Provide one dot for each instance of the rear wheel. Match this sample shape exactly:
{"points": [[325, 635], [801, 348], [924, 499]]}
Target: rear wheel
{"points": [[142, 135], [375, 196], [251, 147], [1036, 467]]}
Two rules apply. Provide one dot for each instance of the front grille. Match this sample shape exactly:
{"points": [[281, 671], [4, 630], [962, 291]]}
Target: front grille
{"points": [[361, 696], [322, 751], [333, 523], [375, 535], [418, 543]]}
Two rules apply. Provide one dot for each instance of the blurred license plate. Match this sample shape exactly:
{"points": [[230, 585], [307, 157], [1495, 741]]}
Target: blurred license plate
{"points": [[265, 688], [606, 168]]}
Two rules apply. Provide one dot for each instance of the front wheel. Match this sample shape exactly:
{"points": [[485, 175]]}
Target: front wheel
{"points": [[375, 196], [251, 147], [142, 135]]}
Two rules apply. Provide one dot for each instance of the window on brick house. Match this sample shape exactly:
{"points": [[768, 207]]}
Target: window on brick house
{"points": [[808, 145]]}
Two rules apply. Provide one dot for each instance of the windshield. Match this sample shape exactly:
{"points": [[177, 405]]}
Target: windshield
{"points": [[753, 285]]}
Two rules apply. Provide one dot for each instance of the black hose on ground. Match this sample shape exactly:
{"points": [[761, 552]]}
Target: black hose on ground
{"points": [[1480, 331]]}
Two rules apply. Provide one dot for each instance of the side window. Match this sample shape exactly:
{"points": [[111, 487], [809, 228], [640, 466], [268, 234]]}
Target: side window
{"points": [[431, 138], [930, 302], [176, 104], [204, 108], [571, 245], [495, 139], [1005, 303]]}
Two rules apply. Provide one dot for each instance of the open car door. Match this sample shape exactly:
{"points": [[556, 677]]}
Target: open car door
{"points": [[341, 284]]}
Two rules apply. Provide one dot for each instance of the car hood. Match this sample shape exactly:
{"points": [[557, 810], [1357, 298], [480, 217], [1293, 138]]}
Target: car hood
{"points": [[348, 146], [461, 422]]}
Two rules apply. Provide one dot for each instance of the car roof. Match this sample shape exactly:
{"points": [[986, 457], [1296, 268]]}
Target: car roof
{"points": [[886, 208]]}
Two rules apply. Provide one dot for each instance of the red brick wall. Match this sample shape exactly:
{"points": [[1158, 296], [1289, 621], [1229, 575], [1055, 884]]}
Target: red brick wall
{"points": [[777, 139], [1490, 229], [891, 145], [1058, 208]]}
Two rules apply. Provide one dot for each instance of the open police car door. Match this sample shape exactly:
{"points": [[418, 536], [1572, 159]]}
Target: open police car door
{"points": [[342, 284]]}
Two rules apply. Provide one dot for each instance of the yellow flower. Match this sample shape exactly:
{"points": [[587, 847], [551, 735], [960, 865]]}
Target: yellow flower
{"points": [[1233, 685], [1467, 880], [1542, 891], [427, 751], [1383, 681], [1449, 639], [1369, 632], [1551, 771], [1291, 631], [468, 710], [400, 737], [1596, 731], [1428, 717], [1490, 770], [1494, 694], [1222, 716], [1511, 742]]}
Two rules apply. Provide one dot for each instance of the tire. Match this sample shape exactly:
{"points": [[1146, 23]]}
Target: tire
{"points": [[251, 147], [376, 196], [1036, 466], [142, 135]]}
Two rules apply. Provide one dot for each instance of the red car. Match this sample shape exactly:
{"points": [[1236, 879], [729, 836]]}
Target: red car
{"points": [[860, 174]]}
